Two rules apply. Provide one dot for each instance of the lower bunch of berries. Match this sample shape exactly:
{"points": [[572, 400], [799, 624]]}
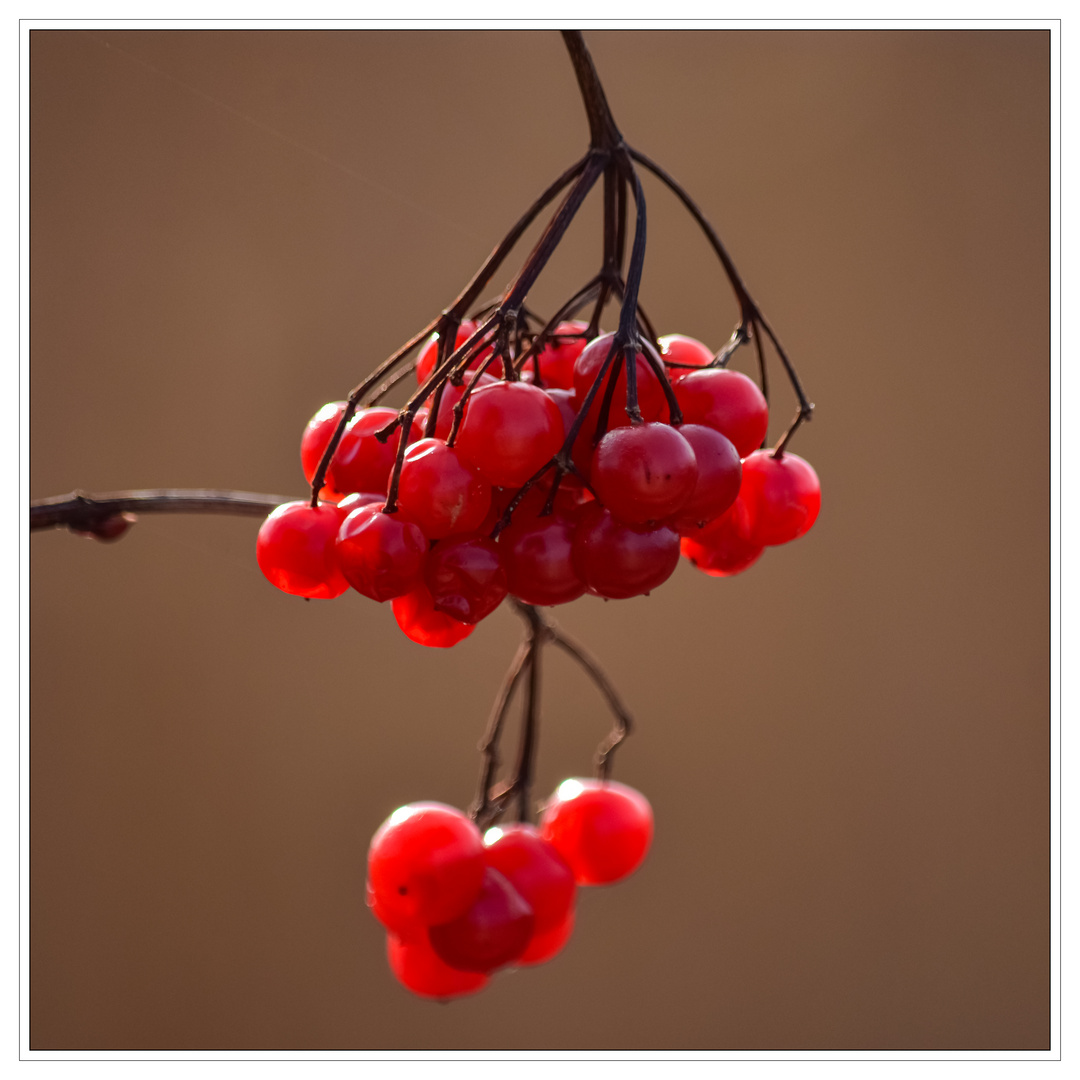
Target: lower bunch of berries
{"points": [[461, 534], [459, 905]]}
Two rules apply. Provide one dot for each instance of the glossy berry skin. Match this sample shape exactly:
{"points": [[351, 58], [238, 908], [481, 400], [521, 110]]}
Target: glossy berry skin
{"points": [[557, 358], [644, 473], [728, 402], [719, 476], [651, 400], [492, 933], [783, 497], [509, 432], [548, 944], [538, 554], [602, 829], [465, 577], [440, 492], [381, 555], [313, 443], [357, 499], [535, 869], [295, 549], [361, 462], [420, 622], [680, 349], [722, 548], [418, 968], [425, 866], [618, 561], [429, 353], [451, 395]]}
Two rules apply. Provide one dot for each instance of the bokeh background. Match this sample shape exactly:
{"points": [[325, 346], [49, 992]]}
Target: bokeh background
{"points": [[846, 747]]}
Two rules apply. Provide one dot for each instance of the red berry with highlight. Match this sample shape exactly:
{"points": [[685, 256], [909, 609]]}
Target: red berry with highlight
{"points": [[538, 554], [295, 549], [361, 462], [558, 357], [618, 561], [536, 869], [719, 475], [728, 402], [440, 492], [509, 432], [425, 865], [492, 933], [602, 829], [381, 555], [783, 496], [722, 547], [429, 352], [682, 350], [651, 399], [644, 473], [316, 438], [465, 577], [420, 622]]}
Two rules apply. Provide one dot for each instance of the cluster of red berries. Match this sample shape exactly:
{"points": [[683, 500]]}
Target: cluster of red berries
{"points": [[446, 556], [458, 904]]}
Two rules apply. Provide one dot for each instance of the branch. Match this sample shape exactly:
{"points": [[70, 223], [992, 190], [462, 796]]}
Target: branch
{"points": [[99, 514]]}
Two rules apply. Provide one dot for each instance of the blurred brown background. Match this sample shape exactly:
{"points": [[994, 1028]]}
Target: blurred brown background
{"points": [[846, 748]]}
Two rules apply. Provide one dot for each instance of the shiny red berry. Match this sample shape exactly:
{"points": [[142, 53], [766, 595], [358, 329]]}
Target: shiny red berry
{"points": [[644, 473], [536, 870], [783, 496], [722, 547], [545, 946], [451, 395], [361, 462], [313, 443], [381, 555], [651, 400], [602, 829], [728, 402], [465, 577], [492, 933], [719, 475], [509, 432], [418, 968], [420, 622], [682, 350], [618, 561], [425, 866], [440, 492], [538, 554], [295, 549]]}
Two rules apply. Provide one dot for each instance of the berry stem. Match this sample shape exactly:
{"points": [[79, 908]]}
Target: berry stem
{"points": [[84, 513]]}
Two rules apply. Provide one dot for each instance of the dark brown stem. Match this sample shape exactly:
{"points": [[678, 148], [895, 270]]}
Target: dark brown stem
{"points": [[602, 130], [87, 513]]}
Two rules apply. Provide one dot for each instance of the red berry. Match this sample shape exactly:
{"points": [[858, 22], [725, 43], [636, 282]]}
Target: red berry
{"points": [[537, 553], [601, 828], [425, 866], [417, 967], [718, 478], [451, 395], [440, 492], [722, 548], [361, 462], [558, 357], [644, 473], [509, 432], [546, 945], [465, 577], [728, 402], [535, 869], [618, 561], [357, 499], [420, 622], [295, 550], [783, 497], [429, 351], [381, 555], [492, 933], [313, 443], [651, 400], [680, 349]]}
